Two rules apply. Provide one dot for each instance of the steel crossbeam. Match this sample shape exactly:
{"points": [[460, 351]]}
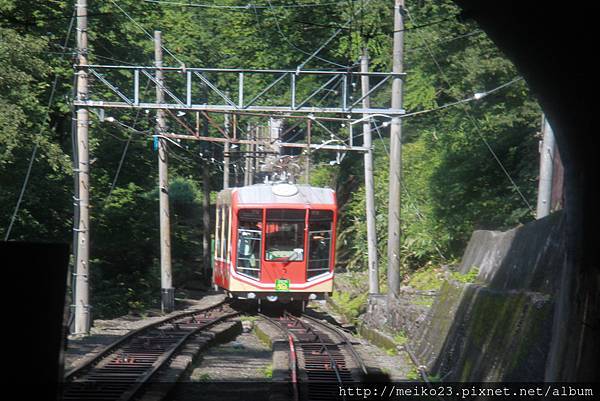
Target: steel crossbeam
{"points": [[190, 89]]}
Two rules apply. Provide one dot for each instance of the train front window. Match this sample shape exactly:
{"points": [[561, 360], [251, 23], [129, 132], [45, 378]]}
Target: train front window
{"points": [[285, 235], [319, 242], [249, 242]]}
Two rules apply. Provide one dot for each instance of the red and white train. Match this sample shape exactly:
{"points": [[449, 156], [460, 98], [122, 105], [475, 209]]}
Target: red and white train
{"points": [[275, 241]]}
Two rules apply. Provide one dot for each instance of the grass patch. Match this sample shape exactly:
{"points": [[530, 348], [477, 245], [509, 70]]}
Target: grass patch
{"points": [[268, 371], [391, 351], [426, 279], [350, 306], [413, 374], [470, 277], [204, 377], [400, 338]]}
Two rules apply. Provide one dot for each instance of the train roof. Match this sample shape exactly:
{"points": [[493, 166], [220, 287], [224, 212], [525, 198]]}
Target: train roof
{"points": [[283, 194]]}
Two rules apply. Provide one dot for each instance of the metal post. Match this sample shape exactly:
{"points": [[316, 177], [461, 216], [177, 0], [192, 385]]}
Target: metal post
{"points": [[236, 164], [247, 160], [369, 183], [166, 279], [81, 299], [206, 212], [226, 155], [395, 157], [308, 141], [546, 170]]}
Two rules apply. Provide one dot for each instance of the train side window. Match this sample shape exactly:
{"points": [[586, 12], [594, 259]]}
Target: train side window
{"points": [[285, 235], [225, 238], [218, 233], [229, 217], [319, 242], [249, 242]]}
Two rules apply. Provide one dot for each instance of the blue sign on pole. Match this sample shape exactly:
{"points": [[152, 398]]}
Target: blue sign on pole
{"points": [[155, 144]]}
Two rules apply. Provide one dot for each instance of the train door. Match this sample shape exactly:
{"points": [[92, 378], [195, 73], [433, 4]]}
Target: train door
{"points": [[320, 250]]}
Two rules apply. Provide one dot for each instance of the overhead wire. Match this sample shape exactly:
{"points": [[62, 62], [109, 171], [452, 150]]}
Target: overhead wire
{"points": [[146, 32], [35, 147], [286, 39], [474, 122]]}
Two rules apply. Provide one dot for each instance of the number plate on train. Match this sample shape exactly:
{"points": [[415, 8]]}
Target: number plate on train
{"points": [[282, 285]]}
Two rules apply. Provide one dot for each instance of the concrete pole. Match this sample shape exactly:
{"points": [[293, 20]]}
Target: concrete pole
{"points": [[226, 156], [166, 278], [82, 307], [546, 170], [369, 183], [395, 157]]}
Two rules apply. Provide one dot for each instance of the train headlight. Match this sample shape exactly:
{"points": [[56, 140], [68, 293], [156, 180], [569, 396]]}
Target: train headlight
{"points": [[272, 298], [251, 295], [312, 296]]}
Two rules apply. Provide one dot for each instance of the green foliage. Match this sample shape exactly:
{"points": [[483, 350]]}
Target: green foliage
{"points": [[452, 182]]}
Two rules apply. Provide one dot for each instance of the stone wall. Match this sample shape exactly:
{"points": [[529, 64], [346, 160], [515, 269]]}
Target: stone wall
{"points": [[407, 315], [498, 328]]}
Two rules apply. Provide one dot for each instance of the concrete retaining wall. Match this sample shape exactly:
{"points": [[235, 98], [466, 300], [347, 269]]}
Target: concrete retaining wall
{"points": [[500, 327]]}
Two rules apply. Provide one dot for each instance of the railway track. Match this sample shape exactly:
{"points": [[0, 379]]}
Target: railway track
{"points": [[124, 368], [320, 355]]}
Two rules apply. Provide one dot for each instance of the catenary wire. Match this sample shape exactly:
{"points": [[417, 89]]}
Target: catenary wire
{"points": [[474, 122], [35, 147]]}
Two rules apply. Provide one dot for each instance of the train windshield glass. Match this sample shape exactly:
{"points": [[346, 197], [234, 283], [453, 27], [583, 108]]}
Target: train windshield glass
{"points": [[249, 242], [319, 242], [285, 235]]}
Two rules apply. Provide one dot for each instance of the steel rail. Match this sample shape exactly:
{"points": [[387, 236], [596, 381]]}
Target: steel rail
{"points": [[344, 339], [137, 372], [94, 359], [158, 364], [317, 329], [293, 355]]}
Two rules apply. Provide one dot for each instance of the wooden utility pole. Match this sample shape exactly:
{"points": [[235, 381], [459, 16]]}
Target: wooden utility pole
{"points": [[166, 278], [544, 200], [395, 157], [81, 299], [369, 182]]}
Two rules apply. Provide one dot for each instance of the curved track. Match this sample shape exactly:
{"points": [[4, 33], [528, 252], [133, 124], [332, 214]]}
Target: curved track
{"points": [[121, 370], [320, 355]]}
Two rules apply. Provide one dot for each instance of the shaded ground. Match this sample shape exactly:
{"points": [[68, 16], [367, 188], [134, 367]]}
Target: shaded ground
{"points": [[239, 369]]}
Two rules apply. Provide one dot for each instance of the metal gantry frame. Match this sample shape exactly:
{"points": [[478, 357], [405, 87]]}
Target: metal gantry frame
{"points": [[191, 99]]}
